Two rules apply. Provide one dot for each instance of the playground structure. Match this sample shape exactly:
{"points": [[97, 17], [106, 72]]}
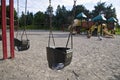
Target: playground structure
{"points": [[95, 27], [22, 44], [4, 35], [85, 65], [58, 57], [64, 52], [78, 24], [106, 32]]}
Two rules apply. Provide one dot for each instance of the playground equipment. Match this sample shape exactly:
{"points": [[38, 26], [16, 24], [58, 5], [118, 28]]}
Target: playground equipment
{"points": [[106, 32], [111, 24], [106, 27], [80, 23], [97, 28], [4, 35], [99, 18], [81, 16], [77, 25], [93, 28], [58, 57], [23, 44]]}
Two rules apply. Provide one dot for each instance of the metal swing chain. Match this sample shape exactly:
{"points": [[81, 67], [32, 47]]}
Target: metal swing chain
{"points": [[50, 17], [70, 35], [24, 31], [18, 18]]}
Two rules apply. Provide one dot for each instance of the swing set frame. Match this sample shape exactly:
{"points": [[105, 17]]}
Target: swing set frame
{"points": [[11, 21], [4, 32]]}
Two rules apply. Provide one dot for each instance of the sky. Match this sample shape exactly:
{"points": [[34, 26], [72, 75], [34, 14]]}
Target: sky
{"points": [[41, 5]]}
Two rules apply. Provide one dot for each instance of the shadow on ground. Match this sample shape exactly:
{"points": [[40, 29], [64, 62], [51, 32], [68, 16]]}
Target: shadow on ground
{"points": [[1, 59], [115, 77]]}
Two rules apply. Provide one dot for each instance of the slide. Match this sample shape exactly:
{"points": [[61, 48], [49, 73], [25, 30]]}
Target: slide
{"points": [[108, 34]]}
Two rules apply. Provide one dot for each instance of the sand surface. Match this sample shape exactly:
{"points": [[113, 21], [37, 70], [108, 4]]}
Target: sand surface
{"points": [[92, 59]]}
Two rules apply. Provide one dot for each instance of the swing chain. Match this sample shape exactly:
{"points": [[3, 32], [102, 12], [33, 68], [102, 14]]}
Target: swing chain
{"points": [[24, 30], [70, 35], [51, 34], [25, 24], [50, 17], [74, 8], [18, 18]]}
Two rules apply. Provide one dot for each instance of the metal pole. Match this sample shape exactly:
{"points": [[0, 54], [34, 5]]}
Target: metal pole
{"points": [[12, 28], [4, 37]]}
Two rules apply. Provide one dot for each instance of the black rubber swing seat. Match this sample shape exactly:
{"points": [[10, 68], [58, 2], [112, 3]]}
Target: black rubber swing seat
{"points": [[21, 45], [56, 55]]}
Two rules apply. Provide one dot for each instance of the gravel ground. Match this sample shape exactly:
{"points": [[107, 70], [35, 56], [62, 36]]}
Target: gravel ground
{"points": [[92, 59]]}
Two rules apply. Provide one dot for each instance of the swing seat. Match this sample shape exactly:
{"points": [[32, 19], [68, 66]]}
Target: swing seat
{"points": [[59, 55], [21, 45]]}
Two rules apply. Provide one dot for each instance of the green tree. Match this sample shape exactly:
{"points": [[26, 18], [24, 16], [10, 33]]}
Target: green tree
{"points": [[47, 16], [81, 8], [29, 19], [58, 16], [108, 11], [64, 14], [61, 16], [98, 9], [22, 21], [8, 14], [39, 20]]}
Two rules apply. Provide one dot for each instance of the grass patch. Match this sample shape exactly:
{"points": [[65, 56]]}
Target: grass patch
{"points": [[117, 31]]}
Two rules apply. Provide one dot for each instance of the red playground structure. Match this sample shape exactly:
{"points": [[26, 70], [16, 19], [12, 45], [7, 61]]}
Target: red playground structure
{"points": [[4, 34]]}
